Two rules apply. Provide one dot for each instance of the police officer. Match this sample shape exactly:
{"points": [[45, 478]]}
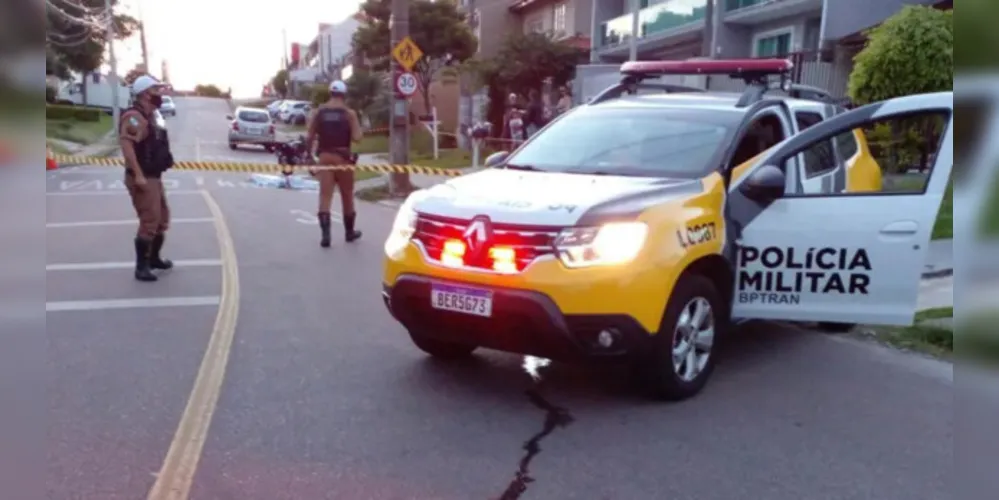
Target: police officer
{"points": [[334, 126], [146, 149]]}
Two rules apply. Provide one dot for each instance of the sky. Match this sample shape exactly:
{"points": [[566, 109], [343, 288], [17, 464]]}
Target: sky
{"points": [[228, 43]]}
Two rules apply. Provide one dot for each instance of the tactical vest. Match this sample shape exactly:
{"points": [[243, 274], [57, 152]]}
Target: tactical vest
{"points": [[333, 127], [153, 152]]}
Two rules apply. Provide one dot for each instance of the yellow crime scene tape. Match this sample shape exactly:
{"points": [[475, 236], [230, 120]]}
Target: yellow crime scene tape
{"points": [[256, 168]]}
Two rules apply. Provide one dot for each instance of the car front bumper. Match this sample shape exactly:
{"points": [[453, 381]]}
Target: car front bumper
{"points": [[240, 138], [522, 321]]}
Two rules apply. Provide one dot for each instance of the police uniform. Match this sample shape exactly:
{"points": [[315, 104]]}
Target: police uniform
{"points": [[151, 144], [334, 127]]}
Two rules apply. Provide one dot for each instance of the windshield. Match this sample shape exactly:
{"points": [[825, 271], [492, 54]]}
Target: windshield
{"points": [[640, 142], [254, 116]]}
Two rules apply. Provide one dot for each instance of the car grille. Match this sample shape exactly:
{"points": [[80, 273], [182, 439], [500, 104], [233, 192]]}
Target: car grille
{"points": [[528, 242]]}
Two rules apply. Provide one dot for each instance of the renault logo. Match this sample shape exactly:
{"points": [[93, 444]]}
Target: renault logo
{"points": [[477, 234]]}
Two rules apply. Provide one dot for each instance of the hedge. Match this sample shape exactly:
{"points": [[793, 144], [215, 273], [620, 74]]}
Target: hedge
{"points": [[57, 112]]}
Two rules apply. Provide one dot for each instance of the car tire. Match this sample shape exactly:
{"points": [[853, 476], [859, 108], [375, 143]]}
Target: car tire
{"points": [[441, 348], [832, 327], [232, 146], [657, 368]]}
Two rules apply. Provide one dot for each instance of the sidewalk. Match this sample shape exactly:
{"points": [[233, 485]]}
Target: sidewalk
{"points": [[106, 146]]}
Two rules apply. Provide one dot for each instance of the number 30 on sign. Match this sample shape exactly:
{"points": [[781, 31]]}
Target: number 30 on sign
{"points": [[406, 84]]}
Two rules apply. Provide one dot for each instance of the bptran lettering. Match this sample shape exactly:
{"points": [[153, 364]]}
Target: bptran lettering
{"points": [[776, 275]]}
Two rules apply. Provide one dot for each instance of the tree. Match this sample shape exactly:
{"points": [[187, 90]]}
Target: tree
{"points": [[522, 64], [912, 52], [280, 83], [363, 89], [76, 35], [979, 38], [439, 28], [208, 91]]}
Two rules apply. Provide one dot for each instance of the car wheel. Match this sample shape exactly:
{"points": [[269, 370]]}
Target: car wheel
{"points": [[683, 352], [441, 348], [831, 327], [232, 146]]}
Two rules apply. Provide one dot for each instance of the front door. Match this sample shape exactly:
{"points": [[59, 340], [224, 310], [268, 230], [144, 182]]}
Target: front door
{"points": [[838, 256]]}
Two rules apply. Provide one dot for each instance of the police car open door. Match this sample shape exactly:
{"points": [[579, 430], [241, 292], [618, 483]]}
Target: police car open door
{"points": [[836, 257]]}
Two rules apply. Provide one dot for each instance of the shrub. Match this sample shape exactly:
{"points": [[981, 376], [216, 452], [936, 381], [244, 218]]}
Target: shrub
{"points": [[58, 112]]}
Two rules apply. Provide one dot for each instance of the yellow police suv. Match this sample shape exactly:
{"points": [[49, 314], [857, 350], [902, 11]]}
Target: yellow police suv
{"points": [[644, 223]]}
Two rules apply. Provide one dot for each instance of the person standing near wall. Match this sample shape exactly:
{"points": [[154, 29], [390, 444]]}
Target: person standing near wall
{"points": [[146, 149]]}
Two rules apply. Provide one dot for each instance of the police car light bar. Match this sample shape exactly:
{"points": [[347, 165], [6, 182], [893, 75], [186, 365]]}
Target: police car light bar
{"points": [[737, 68]]}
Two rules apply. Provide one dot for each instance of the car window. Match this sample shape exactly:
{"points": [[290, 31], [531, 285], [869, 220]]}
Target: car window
{"points": [[819, 159], [620, 141], [253, 116], [847, 144], [300, 105]]}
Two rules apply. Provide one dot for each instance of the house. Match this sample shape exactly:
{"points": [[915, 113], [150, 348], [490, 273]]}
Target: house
{"points": [[821, 36], [494, 20]]}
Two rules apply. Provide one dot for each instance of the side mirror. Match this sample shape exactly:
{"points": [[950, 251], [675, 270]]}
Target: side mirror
{"points": [[764, 185], [228, 117], [496, 158]]}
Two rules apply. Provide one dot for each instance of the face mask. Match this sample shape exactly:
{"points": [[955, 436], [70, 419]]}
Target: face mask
{"points": [[156, 100]]}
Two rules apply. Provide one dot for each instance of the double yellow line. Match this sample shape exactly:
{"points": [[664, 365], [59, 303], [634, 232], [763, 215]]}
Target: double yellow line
{"points": [[177, 473]]}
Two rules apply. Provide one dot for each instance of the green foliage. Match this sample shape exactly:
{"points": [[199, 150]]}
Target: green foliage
{"points": [[363, 89], [279, 82], [522, 64], [439, 28], [77, 113], [77, 47], [208, 91], [318, 94], [912, 52], [979, 36]]}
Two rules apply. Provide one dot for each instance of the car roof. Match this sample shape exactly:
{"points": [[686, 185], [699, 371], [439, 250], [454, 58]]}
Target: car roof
{"points": [[247, 108], [720, 101]]}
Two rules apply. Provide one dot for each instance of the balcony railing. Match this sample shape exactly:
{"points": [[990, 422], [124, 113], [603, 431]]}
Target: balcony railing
{"points": [[653, 19], [731, 5]]}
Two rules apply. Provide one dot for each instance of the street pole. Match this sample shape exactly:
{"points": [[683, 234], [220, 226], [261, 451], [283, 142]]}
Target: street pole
{"points": [[113, 62], [466, 81], [399, 132], [633, 39], [594, 40]]}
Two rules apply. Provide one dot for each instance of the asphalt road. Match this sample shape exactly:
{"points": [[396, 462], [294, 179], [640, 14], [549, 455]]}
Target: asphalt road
{"points": [[325, 398]]}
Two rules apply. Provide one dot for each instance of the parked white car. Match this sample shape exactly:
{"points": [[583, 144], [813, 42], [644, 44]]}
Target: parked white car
{"points": [[275, 107], [295, 113], [251, 126], [168, 108]]}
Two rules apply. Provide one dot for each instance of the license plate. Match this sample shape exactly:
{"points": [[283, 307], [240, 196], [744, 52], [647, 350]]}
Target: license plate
{"points": [[460, 299]]}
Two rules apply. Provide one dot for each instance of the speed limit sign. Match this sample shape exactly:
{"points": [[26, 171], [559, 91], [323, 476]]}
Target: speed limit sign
{"points": [[406, 84]]}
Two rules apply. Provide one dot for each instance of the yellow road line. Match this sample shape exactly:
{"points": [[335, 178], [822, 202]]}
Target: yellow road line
{"points": [[177, 474]]}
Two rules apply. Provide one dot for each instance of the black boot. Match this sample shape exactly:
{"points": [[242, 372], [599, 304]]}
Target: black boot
{"points": [[324, 225], [350, 234], [142, 272], [155, 262]]}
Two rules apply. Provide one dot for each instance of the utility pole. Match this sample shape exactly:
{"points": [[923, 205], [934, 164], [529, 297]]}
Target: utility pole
{"points": [[633, 39], [145, 52], [113, 62], [399, 133], [466, 82]]}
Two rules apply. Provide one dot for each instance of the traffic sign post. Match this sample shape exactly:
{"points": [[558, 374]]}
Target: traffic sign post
{"points": [[407, 53], [406, 84]]}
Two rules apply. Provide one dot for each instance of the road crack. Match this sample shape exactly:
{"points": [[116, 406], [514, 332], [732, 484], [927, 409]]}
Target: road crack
{"points": [[555, 417]]}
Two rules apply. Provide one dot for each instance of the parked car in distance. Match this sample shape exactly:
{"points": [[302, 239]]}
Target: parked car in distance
{"points": [[251, 126], [275, 107], [296, 113], [168, 108]]}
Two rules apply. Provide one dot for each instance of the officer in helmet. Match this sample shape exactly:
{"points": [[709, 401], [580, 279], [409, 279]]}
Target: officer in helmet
{"points": [[146, 149], [332, 128]]}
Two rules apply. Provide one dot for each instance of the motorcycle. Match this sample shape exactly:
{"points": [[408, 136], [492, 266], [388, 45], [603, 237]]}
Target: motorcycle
{"points": [[290, 154]]}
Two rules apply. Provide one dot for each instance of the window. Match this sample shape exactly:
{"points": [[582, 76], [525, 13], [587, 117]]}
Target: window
{"points": [[819, 159], [765, 133], [253, 116], [773, 46], [847, 145], [638, 142], [558, 21], [535, 26]]}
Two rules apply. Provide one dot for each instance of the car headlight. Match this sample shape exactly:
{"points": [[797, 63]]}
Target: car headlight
{"points": [[402, 228], [607, 245]]}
